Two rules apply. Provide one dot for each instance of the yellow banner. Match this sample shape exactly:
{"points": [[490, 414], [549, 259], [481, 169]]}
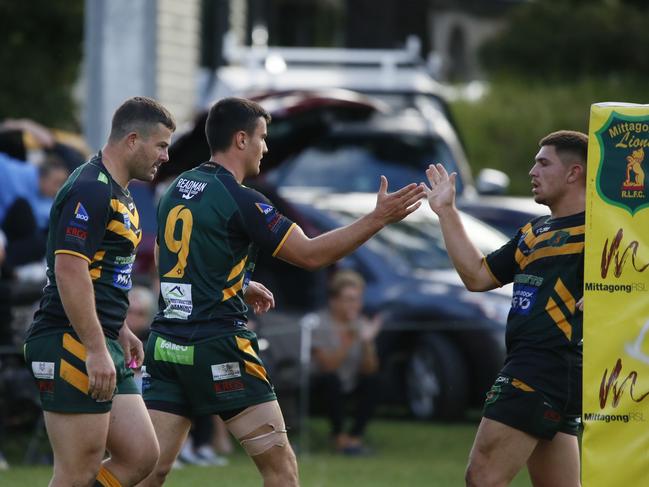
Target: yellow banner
{"points": [[615, 446]]}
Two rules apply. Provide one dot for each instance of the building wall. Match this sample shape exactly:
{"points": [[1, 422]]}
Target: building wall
{"points": [[456, 38], [177, 57]]}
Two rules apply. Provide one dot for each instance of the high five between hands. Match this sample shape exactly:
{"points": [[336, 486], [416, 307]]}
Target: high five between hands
{"points": [[441, 194]]}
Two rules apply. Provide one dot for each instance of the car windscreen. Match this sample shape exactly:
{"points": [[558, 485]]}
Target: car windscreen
{"points": [[354, 162]]}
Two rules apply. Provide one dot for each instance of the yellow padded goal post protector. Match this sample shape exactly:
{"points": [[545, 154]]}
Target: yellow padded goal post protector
{"points": [[616, 298]]}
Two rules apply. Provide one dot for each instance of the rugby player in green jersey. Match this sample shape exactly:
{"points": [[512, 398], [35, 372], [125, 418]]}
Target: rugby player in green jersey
{"points": [[200, 357], [78, 346], [532, 412]]}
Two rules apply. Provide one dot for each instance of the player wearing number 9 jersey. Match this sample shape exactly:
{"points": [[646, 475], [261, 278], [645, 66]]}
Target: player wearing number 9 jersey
{"points": [[201, 358]]}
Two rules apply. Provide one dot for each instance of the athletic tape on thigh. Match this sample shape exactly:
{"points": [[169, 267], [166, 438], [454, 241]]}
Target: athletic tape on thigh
{"points": [[253, 418]]}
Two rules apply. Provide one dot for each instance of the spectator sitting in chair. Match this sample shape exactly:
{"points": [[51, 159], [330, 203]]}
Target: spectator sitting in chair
{"points": [[346, 360]]}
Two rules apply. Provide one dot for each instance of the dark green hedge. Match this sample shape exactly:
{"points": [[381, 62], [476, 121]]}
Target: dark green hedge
{"points": [[502, 130]]}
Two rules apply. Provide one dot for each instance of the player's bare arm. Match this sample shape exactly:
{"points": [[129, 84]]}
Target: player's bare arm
{"points": [[314, 253], [77, 296], [467, 259]]}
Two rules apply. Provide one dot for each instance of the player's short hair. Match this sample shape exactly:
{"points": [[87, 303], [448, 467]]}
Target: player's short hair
{"points": [[229, 116], [571, 146], [343, 279], [139, 114]]}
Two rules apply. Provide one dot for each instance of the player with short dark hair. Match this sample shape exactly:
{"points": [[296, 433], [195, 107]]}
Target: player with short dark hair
{"points": [[201, 358], [78, 346], [532, 412]]}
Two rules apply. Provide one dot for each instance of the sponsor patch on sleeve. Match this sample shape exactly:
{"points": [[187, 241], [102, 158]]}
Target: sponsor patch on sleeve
{"points": [[80, 213]]}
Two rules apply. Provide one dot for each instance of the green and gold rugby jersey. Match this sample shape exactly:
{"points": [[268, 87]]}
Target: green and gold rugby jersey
{"points": [[210, 228], [545, 261], [95, 219]]}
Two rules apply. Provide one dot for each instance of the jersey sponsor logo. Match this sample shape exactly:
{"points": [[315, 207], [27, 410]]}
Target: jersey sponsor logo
{"points": [[178, 300], [189, 189], [166, 351], [559, 238], [45, 386], [80, 213], [75, 234], [74, 223], [264, 208], [127, 221], [523, 299], [228, 370], [228, 386], [122, 276], [528, 279], [43, 370], [493, 394]]}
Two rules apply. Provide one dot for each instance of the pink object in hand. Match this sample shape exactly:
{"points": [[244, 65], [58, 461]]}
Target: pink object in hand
{"points": [[132, 364]]}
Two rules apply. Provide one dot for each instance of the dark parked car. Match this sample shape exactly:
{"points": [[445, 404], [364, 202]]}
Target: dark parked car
{"points": [[440, 346]]}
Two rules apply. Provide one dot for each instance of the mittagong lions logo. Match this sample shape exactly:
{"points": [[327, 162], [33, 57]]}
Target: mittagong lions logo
{"points": [[621, 175]]}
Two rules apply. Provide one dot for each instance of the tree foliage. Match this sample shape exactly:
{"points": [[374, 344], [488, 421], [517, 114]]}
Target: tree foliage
{"points": [[567, 39], [41, 47]]}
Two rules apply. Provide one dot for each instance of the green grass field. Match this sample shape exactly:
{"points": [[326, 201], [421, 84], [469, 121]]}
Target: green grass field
{"points": [[406, 454]]}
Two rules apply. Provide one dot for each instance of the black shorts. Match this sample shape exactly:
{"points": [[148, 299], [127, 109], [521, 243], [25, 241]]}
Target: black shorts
{"points": [[514, 403]]}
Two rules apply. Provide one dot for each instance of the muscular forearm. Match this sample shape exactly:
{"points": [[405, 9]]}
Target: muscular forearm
{"points": [[77, 296], [466, 258], [314, 253]]}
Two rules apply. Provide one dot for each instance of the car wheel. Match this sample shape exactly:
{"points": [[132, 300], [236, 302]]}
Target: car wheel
{"points": [[436, 379]]}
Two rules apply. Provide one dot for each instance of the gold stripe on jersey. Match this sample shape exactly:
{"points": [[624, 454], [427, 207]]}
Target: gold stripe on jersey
{"points": [[75, 347], [529, 235], [572, 231], [281, 244], [566, 249], [73, 376], [120, 207], [95, 272], [71, 252], [559, 318], [565, 295], [120, 229], [519, 384], [236, 270], [232, 290]]}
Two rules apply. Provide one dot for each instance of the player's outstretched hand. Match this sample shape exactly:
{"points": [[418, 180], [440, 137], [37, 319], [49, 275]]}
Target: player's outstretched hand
{"points": [[441, 193], [101, 375], [393, 207], [259, 297]]}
